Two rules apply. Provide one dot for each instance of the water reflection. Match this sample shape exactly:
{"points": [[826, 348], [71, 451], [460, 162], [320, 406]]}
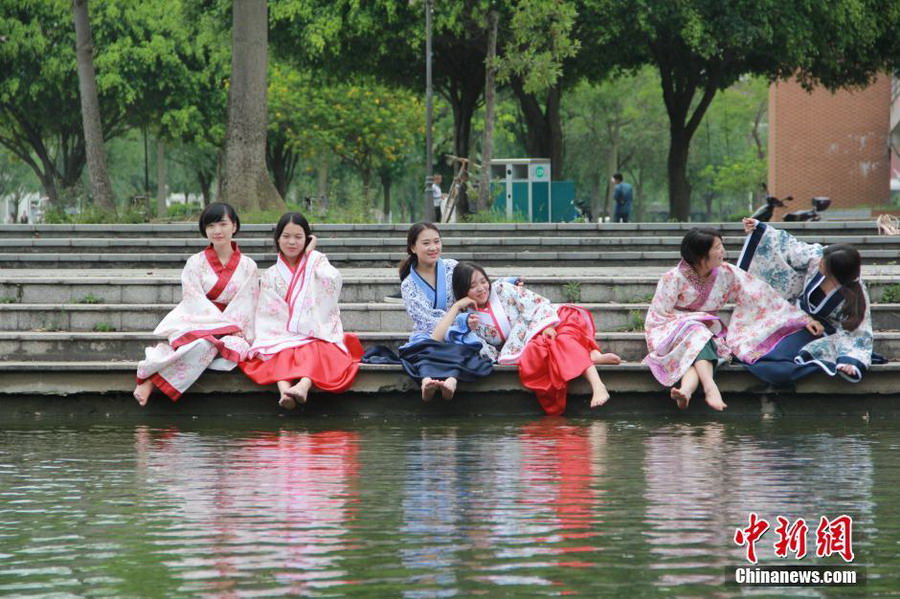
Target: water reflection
{"points": [[703, 482], [273, 502], [437, 509]]}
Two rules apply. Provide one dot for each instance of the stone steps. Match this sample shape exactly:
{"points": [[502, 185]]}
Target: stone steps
{"points": [[104, 378], [452, 245], [385, 259], [369, 285], [129, 345], [356, 317], [399, 230]]}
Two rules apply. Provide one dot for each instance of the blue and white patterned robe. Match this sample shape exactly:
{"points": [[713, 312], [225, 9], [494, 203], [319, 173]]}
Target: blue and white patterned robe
{"points": [[426, 305], [792, 268]]}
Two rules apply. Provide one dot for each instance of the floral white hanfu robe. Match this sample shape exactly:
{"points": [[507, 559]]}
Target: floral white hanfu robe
{"points": [[298, 306], [211, 327], [683, 317], [299, 333], [791, 267]]}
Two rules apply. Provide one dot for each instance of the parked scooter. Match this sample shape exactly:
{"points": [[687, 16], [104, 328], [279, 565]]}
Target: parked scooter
{"points": [[819, 204], [764, 214]]}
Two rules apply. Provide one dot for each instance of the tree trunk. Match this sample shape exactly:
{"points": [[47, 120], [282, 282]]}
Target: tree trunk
{"points": [[487, 147], [161, 209], [205, 179], [463, 111], [322, 183], [544, 135], [246, 179], [90, 109], [679, 187], [367, 181], [386, 189]]}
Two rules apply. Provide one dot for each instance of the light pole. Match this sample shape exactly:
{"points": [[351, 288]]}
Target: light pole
{"points": [[429, 153]]}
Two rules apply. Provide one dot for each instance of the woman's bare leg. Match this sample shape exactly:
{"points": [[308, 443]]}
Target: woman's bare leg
{"points": [[142, 392], [448, 388], [429, 388], [300, 391], [599, 393], [713, 396], [689, 382], [285, 400], [600, 358]]}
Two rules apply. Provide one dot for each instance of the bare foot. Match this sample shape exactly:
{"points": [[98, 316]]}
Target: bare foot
{"points": [[600, 358], [714, 399], [600, 396], [300, 391], [448, 388], [142, 392], [681, 398], [429, 388], [287, 402]]}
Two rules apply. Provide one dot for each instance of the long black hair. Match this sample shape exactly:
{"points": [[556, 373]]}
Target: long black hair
{"points": [[216, 212], [844, 263], [696, 244], [462, 278], [411, 237], [297, 219]]}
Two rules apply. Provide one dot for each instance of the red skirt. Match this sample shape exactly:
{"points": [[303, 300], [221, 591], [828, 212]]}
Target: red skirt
{"points": [[329, 368], [547, 365]]}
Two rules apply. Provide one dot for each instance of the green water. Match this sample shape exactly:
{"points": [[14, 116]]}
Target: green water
{"points": [[433, 508]]}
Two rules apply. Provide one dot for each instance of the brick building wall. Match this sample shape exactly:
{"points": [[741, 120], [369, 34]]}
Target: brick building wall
{"points": [[835, 145]]}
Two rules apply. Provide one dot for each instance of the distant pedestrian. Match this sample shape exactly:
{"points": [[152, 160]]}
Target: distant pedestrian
{"points": [[623, 195], [438, 196]]}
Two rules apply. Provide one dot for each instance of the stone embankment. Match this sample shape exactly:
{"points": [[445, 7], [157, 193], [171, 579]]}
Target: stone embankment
{"points": [[78, 304]]}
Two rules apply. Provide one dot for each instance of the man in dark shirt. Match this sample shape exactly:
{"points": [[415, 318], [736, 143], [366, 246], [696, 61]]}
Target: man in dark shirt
{"points": [[623, 195]]}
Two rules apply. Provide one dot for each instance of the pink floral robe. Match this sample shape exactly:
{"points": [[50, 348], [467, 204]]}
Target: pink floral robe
{"points": [[210, 328], [683, 316], [298, 327]]}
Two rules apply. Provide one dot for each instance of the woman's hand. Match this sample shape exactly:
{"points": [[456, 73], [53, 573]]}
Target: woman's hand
{"points": [[749, 224], [463, 304], [312, 243], [472, 321], [549, 333], [847, 369], [816, 328]]}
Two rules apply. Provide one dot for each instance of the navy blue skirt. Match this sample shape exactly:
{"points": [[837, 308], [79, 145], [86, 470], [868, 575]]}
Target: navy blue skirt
{"points": [[778, 367], [436, 360]]}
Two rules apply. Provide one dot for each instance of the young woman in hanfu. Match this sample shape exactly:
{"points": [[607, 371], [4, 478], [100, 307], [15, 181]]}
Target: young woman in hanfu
{"points": [[300, 340], [551, 344], [212, 325], [825, 283], [686, 337], [427, 293]]}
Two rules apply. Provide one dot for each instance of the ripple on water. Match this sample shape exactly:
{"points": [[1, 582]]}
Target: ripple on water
{"points": [[455, 508]]}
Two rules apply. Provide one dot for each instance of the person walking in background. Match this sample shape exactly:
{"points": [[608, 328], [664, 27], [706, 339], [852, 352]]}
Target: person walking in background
{"points": [[623, 196], [438, 196]]}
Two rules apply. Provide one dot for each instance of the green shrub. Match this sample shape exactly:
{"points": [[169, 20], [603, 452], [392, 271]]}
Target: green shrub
{"points": [[891, 294], [572, 292], [104, 327], [90, 298]]}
